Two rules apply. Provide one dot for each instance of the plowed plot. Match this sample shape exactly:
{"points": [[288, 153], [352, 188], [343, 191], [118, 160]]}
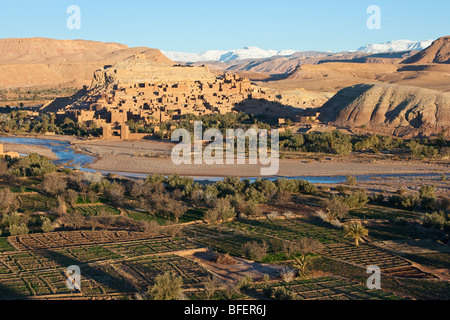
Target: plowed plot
{"points": [[332, 289], [365, 255], [73, 238]]}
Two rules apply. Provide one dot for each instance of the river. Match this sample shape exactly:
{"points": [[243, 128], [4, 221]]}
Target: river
{"points": [[69, 159]]}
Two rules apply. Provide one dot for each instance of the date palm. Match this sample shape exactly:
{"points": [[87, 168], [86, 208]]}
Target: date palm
{"points": [[355, 231]]}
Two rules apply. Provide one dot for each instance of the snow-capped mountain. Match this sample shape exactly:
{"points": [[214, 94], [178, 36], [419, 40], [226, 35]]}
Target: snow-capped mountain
{"points": [[258, 53], [226, 56], [396, 46]]}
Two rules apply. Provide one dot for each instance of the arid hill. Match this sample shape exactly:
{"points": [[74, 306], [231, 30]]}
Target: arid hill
{"points": [[391, 109], [42, 62], [334, 76], [438, 52], [278, 67]]}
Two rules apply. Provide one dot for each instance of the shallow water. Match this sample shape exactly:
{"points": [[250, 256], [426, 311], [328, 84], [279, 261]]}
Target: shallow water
{"points": [[70, 159], [61, 149]]}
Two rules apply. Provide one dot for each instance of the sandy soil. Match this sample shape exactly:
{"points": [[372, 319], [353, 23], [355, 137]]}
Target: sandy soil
{"points": [[154, 157], [236, 271], [27, 149]]}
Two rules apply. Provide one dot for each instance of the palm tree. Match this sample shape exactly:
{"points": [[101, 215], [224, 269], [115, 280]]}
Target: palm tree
{"points": [[302, 264], [356, 231]]}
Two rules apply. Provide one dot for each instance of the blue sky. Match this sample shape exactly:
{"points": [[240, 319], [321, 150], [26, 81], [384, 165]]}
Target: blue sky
{"points": [[199, 25]]}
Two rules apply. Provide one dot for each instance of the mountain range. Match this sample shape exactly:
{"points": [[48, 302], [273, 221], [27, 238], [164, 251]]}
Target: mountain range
{"points": [[227, 56]]}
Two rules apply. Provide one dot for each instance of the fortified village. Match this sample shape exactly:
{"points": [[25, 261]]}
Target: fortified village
{"points": [[141, 90]]}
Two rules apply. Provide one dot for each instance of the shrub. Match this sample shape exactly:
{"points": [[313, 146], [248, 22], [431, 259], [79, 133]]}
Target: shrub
{"points": [[268, 291], [10, 219], [74, 220], [273, 215], [377, 198], [255, 251], [435, 220], [115, 194], [355, 200], [351, 180], [281, 293], [288, 214], [335, 209], [8, 200], [47, 225], [283, 197], [288, 185], [174, 230], [211, 286], [245, 283], [167, 286], [428, 197], [18, 229], [287, 275], [309, 245], [33, 165], [405, 201], [306, 187], [151, 227], [71, 197], [222, 210], [61, 208], [53, 184], [92, 196]]}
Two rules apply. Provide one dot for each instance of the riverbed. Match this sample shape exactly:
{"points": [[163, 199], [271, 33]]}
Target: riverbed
{"points": [[337, 172]]}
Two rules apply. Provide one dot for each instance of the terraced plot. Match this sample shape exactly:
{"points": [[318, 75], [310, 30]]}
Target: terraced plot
{"points": [[106, 269], [291, 229], [141, 272], [153, 246], [367, 255], [5, 246], [332, 289], [73, 238], [36, 202], [94, 210], [225, 241]]}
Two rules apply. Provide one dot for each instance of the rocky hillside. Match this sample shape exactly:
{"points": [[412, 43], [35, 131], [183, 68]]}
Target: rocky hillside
{"points": [[391, 109], [42, 62], [438, 52]]}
